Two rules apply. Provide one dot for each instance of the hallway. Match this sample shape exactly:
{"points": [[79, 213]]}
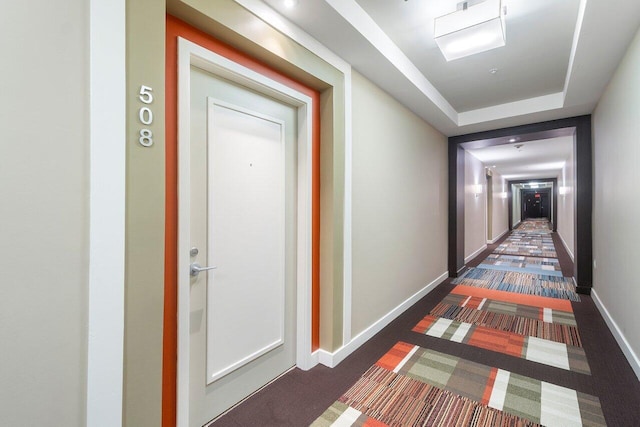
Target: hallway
{"points": [[391, 198], [522, 320]]}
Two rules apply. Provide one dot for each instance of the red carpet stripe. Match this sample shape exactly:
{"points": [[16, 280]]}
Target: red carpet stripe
{"points": [[524, 299], [487, 391], [394, 356]]}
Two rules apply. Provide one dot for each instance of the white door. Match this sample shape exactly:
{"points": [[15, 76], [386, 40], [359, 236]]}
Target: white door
{"points": [[243, 223]]}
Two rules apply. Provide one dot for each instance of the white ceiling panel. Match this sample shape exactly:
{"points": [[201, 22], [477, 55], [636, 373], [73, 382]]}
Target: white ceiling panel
{"points": [[534, 60], [532, 159]]}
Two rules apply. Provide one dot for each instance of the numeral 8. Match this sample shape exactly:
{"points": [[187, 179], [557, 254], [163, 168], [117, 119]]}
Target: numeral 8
{"points": [[146, 137]]}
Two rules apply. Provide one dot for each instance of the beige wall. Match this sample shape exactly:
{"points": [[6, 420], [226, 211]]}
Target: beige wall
{"points": [[399, 204], [500, 214], [475, 208], [616, 174], [566, 229], [44, 213], [515, 206], [145, 220]]}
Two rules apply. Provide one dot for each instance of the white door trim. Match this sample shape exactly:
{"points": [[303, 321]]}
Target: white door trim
{"points": [[192, 54], [107, 136]]}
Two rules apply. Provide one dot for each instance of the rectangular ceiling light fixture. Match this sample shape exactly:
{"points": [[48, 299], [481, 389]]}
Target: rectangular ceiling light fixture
{"points": [[475, 27]]}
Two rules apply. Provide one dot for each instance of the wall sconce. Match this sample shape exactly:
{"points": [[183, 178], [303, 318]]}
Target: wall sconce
{"points": [[563, 191], [503, 195], [477, 190]]}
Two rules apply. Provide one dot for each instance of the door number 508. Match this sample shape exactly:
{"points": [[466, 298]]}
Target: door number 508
{"points": [[145, 115]]}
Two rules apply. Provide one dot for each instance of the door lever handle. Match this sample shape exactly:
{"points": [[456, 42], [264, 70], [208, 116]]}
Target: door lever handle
{"points": [[195, 269]]}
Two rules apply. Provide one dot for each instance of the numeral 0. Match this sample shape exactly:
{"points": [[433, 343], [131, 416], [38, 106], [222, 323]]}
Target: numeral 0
{"points": [[145, 115]]}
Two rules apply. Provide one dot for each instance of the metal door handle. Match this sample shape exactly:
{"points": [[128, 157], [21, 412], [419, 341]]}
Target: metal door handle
{"points": [[196, 268]]}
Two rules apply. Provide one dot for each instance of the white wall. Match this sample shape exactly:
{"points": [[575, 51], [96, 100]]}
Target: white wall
{"points": [[616, 227], [44, 158], [475, 208], [566, 182], [399, 204], [515, 205], [500, 213]]}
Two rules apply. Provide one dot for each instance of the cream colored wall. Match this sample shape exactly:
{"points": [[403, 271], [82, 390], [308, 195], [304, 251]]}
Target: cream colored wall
{"points": [[399, 204], [500, 220], [615, 208], [500, 217], [475, 208], [44, 213], [566, 228], [515, 205]]}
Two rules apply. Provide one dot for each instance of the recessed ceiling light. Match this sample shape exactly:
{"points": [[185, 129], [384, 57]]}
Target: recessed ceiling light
{"points": [[513, 140], [290, 3], [493, 71]]}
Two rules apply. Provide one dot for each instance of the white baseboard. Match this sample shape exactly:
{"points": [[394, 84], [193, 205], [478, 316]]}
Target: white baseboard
{"points": [[475, 254], [631, 356], [569, 251], [516, 224], [491, 242], [333, 359]]}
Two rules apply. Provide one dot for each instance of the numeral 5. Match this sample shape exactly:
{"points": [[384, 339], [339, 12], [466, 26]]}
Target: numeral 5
{"points": [[145, 94]]}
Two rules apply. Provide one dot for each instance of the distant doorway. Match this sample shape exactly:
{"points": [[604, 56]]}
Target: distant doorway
{"points": [[536, 204], [577, 127]]}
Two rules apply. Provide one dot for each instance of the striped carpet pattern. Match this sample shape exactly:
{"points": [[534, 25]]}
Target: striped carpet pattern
{"points": [[412, 386], [531, 238], [523, 264], [547, 352], [521, 325], [516, 302], [534, 224], [526, 248], [523, 283], [487, 308], [541, 331]]}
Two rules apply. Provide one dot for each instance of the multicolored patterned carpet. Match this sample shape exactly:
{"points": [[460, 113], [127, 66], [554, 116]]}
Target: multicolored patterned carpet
{"points": [[534, 224], [531, 238], [549, 266], [414, 386], [520, 282], [515, 305]]}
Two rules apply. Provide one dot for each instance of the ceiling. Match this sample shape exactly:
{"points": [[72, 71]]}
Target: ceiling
{"points": [[559, 57], [560, 54], [527, 160], [541, 28]]}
